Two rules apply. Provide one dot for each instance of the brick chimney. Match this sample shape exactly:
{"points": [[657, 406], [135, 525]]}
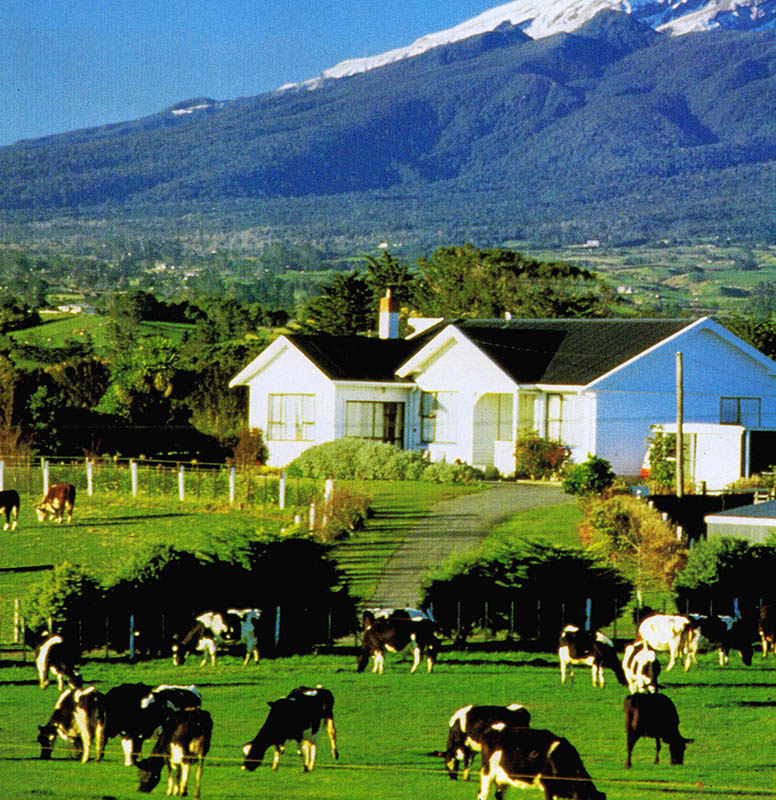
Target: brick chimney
{"points": [[388, 322]]}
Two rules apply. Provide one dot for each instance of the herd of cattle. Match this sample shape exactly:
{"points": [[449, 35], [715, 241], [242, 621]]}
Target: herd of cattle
{"points": [[512, 752]]}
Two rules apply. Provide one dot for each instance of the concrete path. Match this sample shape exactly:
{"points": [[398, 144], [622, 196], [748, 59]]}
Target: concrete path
{"points": [[460, 523]]}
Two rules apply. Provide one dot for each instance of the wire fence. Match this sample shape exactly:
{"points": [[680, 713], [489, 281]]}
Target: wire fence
{"points": [[117, 477]]}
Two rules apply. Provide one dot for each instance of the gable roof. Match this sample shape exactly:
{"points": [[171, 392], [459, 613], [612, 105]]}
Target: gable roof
{"points": [[566, 351], [357, 358]]}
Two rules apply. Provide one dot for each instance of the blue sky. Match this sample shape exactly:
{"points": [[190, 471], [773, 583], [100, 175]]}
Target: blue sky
{"points": [[68, 64]]}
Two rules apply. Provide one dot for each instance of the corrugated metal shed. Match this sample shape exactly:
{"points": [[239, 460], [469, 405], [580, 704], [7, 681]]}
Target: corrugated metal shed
{"points": [[755, 523]]}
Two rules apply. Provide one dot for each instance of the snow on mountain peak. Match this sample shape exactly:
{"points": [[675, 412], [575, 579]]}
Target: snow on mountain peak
{"points": [[542, 18]]}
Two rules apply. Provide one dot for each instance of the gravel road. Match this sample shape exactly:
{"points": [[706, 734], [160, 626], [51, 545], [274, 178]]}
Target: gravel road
{"points": [[460, 523]]}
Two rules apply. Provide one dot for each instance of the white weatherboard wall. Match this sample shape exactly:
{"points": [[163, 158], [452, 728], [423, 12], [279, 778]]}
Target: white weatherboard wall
{"points": [[290, 372], [643, 393], [463, 368]]}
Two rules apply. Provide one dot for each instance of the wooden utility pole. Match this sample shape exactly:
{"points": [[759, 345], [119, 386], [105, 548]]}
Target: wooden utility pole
{"points": [[679, 431]]}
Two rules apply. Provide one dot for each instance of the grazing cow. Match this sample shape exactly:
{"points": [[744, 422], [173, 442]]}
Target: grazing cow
{"points": [[299, 716], [54, 656], [766, 627], [670, 632], [467, 726], [394, 634], [725, 632], [184, 740], [594, 650], [531, 758], [213, 628], [9, 505], [134, 711], [78, 718], [415, 614], [641, 667], [58, 499], [654, 716]]}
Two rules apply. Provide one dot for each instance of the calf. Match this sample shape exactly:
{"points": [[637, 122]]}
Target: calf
{"points": [[654, 716], [530, 758], [641, 667], [670, 632], [183, 741], [725, 632], [78, 718], [9, 505], [134, 711], [58, 499], [54, 656], [235, 626], [467, 727], [299, 716], [394, 634], [766, 628], [592, 649]]}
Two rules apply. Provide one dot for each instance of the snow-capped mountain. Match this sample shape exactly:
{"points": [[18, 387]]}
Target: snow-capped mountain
{"points": [[542, 18]]}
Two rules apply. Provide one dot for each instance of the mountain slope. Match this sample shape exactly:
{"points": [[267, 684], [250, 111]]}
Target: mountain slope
{"points": [[612, 130]]}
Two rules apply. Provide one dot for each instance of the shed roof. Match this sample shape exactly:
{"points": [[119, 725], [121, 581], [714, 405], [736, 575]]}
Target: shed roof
{"points": [[764, 511]]}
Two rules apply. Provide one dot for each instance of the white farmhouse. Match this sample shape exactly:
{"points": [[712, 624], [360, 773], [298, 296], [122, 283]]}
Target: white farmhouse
{"points": [[462, 389]]}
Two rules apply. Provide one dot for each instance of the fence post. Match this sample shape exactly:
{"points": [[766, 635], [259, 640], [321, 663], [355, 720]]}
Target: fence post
{"points": [[133, 475], [312, 516], [282, 491], [45, 477], [90, 477], [181, 483], [277, 626], [231, 486], [16, 619], [131, 637], [2, 475], [588, 612]]}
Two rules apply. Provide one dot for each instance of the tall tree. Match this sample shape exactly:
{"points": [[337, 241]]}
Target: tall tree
{"points": [[387, 272], [467, 281], [344, 307]]}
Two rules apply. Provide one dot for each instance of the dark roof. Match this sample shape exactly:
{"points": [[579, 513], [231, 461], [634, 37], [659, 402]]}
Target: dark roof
{"points": [[763, 511], [565, 351], [357, 358]]}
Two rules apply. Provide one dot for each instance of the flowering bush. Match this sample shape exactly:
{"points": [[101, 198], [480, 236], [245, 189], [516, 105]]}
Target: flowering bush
{"points": [[537, 457]]}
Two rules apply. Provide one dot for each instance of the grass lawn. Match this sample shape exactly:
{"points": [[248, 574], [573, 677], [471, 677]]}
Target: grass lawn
{"points": [[554, 524], [388, 726]]}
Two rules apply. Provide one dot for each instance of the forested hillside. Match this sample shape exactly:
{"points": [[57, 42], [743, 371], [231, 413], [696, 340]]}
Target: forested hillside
{"points": [[613, 132]]}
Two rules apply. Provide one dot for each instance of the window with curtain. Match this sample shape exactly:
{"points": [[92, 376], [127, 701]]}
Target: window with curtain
{"points": [[291, 417], [437, 417], [366, 419]]}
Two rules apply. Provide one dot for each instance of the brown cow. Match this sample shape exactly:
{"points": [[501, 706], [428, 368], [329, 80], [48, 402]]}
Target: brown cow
{"points": [[59, 498]]}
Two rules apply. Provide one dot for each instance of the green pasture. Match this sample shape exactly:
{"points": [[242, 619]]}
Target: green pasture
{"points": [[388, 727], [109, 527]]}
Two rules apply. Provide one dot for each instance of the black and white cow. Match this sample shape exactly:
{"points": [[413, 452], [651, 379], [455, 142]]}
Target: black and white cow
{"points": [[653, 716], [300, 716], [214, 628], [372, 614], [394, 634], [641, 667], [671, 632], [726, 633], [78, 718], [9, 505], [594, 650], [467, 727], [59, 499], [184, 740], [531, 758], [53, 655], [766, 628], [134, 711]]}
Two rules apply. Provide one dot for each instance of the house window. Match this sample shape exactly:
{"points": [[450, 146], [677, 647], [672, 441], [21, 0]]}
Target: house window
{"points": [[740, 411], [525, 411], [369, 420], [555, 417], [291, 417], [437, 417]]}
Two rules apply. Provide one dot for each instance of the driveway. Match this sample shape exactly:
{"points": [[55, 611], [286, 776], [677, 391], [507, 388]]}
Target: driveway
{"points": [[457, 524]]}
